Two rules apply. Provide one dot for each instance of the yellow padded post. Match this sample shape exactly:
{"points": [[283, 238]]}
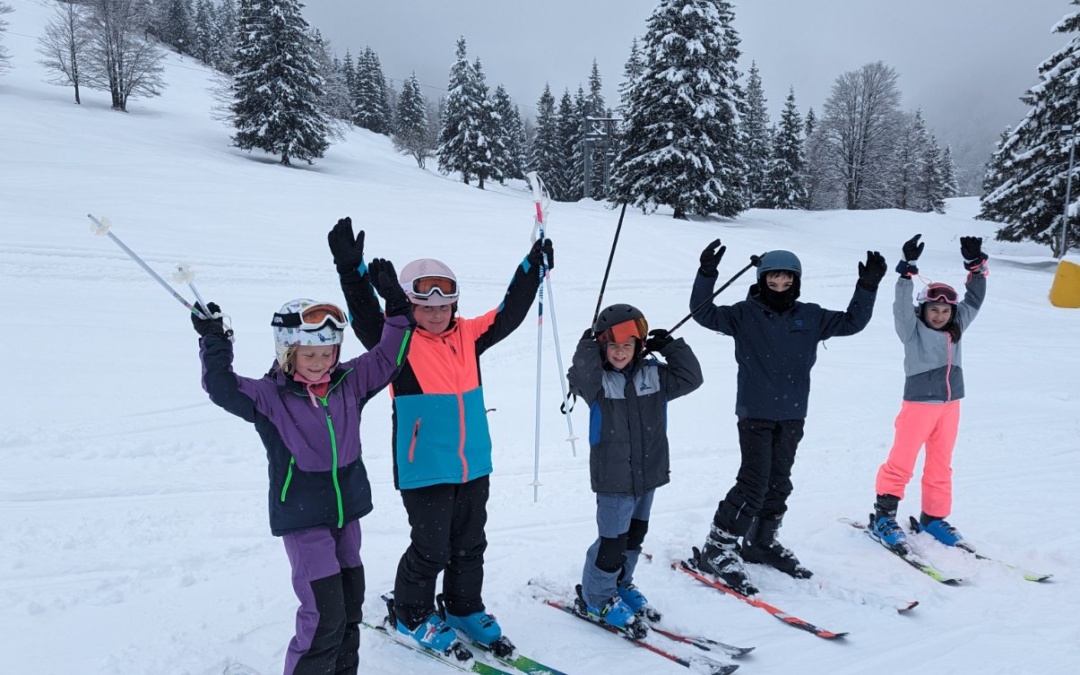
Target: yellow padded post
{"points": [[1065, 292]]}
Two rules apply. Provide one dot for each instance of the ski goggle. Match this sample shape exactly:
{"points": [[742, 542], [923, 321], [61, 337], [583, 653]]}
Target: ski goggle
{"points": [[622, 332], [312, 318], [425, 287], [940, 293]]}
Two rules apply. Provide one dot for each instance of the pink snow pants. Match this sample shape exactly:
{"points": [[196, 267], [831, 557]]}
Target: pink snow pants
{"points": [[918, 424]]}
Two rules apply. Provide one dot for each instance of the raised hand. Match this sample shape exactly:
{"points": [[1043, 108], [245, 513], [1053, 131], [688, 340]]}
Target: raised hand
{"points": [[710, 259], [385, 281], [348, 250], [658, 339], [971, 250], [872, 271], [214, 325], [540, 250], [913, 249]]}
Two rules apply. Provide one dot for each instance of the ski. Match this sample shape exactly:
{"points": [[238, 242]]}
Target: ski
{"points": [[1028, 575], [694, 662], [907, 556], [689, 568], [702, 643], [513, 660], [454, 660]]}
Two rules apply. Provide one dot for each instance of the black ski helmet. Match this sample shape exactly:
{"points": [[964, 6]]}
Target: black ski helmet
{"points": [[609, 324], [779, 261]]}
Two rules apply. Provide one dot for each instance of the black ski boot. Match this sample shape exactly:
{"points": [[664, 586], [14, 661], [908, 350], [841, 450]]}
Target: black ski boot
{"points": [[761, 546], [720, 557]]}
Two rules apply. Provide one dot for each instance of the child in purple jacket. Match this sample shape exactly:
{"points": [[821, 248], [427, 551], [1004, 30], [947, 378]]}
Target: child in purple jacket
{"points": [[307, 412]]}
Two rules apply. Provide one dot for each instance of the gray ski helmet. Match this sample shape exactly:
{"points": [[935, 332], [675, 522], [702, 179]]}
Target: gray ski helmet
{"points": [[779, 261], [618, 323]]}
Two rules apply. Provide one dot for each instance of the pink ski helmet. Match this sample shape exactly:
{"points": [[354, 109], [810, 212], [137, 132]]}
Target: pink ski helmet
{"points": [[429, 282]]}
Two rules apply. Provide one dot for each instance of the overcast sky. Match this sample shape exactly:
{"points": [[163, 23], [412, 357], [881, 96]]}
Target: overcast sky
{"points": [[964, 62]]}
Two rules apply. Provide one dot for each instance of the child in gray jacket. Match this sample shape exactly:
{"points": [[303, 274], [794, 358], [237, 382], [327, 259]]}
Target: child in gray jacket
{"points": [[934, 385]]}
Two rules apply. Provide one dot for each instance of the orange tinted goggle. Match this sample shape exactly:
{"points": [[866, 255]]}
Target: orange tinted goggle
{"points": [[313, 318], [425, 287], [622, 332]]}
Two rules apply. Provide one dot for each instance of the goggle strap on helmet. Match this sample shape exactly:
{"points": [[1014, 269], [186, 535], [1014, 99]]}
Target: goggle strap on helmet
{"points": [[312, 318]]}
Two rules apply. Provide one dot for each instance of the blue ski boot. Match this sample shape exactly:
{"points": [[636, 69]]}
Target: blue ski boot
{"points": [[433, 633], [939, 529], [883, 525], [637, 602], [479, 626], [615, 613]]}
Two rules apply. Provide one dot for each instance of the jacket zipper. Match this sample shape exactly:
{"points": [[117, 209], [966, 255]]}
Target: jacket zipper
{"points": [[333, 453], [412, 443]]}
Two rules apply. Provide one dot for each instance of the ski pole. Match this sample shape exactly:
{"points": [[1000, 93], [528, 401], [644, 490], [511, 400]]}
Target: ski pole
{"points": [[102, 226], [754, 262], [558, 359], [537, 189], [611, 256]]}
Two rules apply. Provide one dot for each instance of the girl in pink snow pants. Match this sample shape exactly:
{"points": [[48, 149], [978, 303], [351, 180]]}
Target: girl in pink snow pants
{"points": [[934, 385]]}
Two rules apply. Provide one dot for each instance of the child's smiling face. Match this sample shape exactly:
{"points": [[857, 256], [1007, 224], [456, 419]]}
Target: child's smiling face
{"points": [[938, 314], [313, 361], [620, 354]]}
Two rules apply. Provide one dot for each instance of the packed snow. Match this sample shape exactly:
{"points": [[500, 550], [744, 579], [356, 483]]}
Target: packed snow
{"points": [[133, 526]]}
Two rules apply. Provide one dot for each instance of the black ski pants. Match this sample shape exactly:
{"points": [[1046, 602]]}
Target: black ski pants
{"points": [[763, 483], [447, 536]]}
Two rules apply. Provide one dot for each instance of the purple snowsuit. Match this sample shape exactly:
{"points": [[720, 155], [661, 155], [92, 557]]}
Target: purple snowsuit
{"points": [[319, 487]]}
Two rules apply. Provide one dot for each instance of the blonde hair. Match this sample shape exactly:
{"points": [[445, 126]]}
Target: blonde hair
{"points": [[288, 365]]}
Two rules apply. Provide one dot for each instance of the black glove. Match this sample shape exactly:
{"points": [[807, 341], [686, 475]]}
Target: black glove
{"points": [[348, 251], [541, 249], [971, 249], [385, 281], [872, 271], [710, 259], [588, 334], [913, 249], [215, 325], [658, 339]]}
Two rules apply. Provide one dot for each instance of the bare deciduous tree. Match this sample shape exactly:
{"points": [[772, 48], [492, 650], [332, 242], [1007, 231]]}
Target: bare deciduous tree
{"points": [[64, 44], [859, 125], [121, 60]]}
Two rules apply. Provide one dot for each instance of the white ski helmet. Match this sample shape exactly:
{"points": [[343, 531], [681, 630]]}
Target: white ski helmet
{"points": [[429, 282], [305, 322]]}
